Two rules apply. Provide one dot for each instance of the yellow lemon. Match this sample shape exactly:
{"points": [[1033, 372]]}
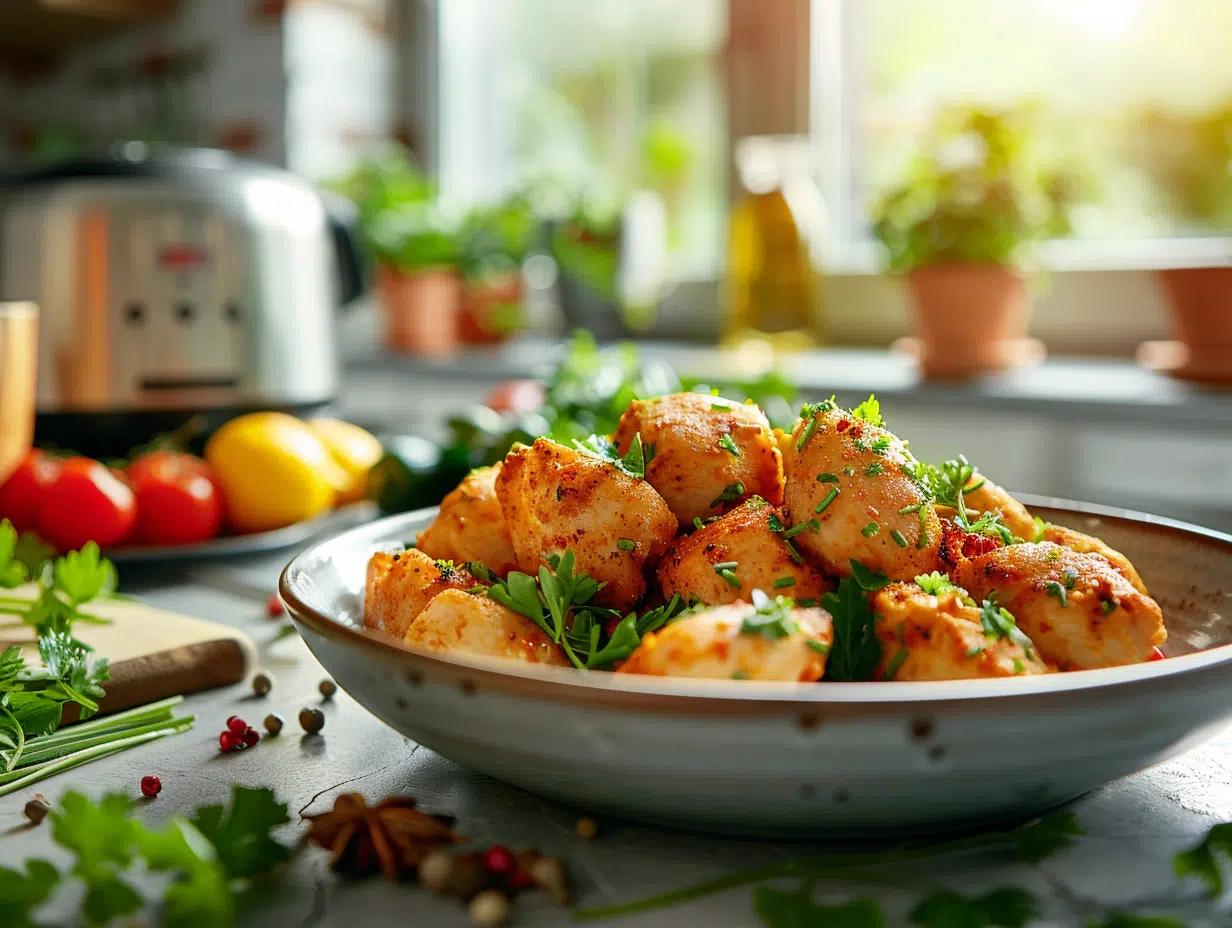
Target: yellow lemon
{"points": [[354, 451], [273, 471]]}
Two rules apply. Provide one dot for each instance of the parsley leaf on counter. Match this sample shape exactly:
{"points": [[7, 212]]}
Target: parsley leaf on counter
{"points": [[1201, 860], [241, 833], [200, 895], [22, 893], [1009, 907], [1041, 839], [632, 462], [104, 839], [780, 909]]}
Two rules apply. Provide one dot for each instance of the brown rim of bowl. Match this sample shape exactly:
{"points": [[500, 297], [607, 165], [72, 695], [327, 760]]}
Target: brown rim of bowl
{"points": [[723, 697]]}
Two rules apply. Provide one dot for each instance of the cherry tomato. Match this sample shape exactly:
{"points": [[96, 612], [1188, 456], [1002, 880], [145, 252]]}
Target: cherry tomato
{"points": [[87, 502], [178, 502], [23, 492], [516, 396]]}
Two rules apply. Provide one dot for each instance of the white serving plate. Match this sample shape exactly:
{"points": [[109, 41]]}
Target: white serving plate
{"points": [[779, 758]]}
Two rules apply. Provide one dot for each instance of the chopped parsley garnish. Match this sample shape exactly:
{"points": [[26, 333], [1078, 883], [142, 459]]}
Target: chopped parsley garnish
{"points": [[697, 521], [728, 445], [935, 583], [1057, 590], [827, 500], [990, 525], [998, 623], [771, 619], [809, 410], [783, 582], [1107, 606], [974, 652], [881, 445], [814, 525], [819, 646], [1069, 576], [626, 544], [849, 471], [870, 530], [898, 538], [874, 470], [740, 675], [856, 651], [807, 603], [795, 530], [860, 444], [731, 493], [869, 411], [632, 462], [1019, 666], [810, 429], [900, 656], [827, 478], [775, 523], [1054, 554]]}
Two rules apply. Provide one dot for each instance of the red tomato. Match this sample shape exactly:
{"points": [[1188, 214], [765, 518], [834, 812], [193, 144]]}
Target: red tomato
{"points": [[178, 502], [516, 396], [23, 492], [1156, 655], [87, 502]]}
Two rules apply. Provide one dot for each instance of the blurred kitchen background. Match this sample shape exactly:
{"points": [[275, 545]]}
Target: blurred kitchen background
{"points": [[1010, 219]]}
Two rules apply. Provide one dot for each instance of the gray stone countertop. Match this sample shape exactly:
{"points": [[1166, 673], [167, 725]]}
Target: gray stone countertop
{"points": [[1133, 827]]}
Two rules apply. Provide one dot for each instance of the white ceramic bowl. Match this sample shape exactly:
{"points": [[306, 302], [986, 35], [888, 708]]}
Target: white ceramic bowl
{"points": [[775, 758]]}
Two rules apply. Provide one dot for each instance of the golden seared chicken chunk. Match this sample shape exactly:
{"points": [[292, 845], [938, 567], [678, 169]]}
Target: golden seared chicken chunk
{"points": [[743, 551], [474, 624], [709, 453], [1080, 612], [400, 585], [941, 637], [739, 642], [470, 525], [988, 497], [556, 499], [847, 485], [1086, 544]]}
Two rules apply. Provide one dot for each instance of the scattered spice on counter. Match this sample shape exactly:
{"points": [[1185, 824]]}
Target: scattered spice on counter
{"points": [[261, 684], [489, 909], [274, 607], [327, 689], [392, 837], [237, 735], [311, 720], [151, 787], [273, 723], [586, 827]]}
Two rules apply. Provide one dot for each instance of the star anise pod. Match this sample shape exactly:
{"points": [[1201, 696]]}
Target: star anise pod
{"points": [[392, 836]]}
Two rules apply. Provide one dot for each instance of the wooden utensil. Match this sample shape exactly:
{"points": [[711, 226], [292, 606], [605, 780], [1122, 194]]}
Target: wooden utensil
{"points": [[18, 355]]}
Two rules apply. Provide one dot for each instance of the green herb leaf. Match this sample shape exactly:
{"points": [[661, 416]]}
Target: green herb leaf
{"points": [[731, 493], [1107, 606], [870, 530], [22, 893], [876, 469], [697, 522], [827, 478], [626, 544], [1058, 591], [1203, 859], [998, 623], [103, 839], [869, 411], [881, 445], [784, 582], [83, 575], [856, 650], [241, 832], [1041, 839], [33, 552], [819, 646], [869, 580], [781, 909], [200, 895], [728, 445], [1009, 907], [1130, 920], [633, 462], [13, 572], [771, 619]]}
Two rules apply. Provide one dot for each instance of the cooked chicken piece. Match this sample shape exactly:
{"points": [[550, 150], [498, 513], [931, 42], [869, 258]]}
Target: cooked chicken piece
{"points": [[725, 643], [458, 621], [926, 637], [1077, 609], [470, 525], [845, 479], [556, 499], [400, 585], [709, 453], [726, 560], [988, 497], [1087, 544]]}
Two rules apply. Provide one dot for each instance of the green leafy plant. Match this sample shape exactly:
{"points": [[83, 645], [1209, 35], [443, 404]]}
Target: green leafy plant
{"points": [[977, 192], [495, 239]]}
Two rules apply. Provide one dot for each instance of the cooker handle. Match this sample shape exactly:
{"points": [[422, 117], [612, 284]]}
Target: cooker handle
{"points": [[342, 216]]}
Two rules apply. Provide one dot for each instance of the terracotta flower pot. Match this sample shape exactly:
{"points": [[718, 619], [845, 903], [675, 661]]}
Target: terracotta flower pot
{"points": [[969, 318], [486, 308], [1201, 300], [421, 309]]}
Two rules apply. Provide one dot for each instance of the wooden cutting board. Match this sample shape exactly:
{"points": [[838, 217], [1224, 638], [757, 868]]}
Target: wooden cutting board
{"points": [[154, 654]]}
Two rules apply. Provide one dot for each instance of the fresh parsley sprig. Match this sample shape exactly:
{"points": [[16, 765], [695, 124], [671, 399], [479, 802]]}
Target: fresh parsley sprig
{"points": [[856, 650], [64, 585], [633, 462]]}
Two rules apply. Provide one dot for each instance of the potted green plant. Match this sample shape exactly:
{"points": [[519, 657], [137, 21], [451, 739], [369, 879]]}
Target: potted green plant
{"points": [[494, 242], [586, 246], [960, 226], [1192, 157], [416, 244]]}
